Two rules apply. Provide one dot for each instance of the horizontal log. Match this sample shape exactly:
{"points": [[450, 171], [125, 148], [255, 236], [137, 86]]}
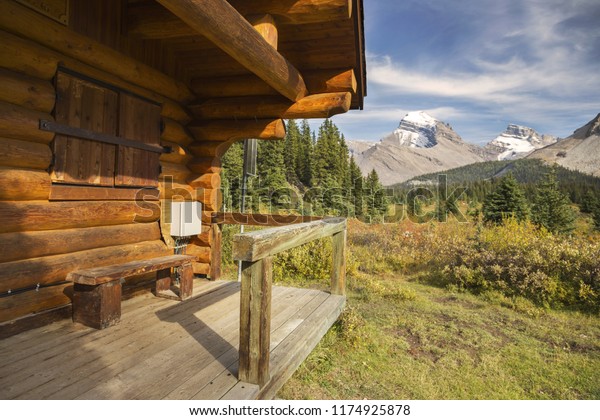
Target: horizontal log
{"points": [[202, 269], [83, 193], [26, 23], [150, 21], [211, 199], [14, 326], [210, 180], [199, 251], [176, 171], [258, 219], [42, 215], [204, 239], [238, 130], [175, 132], [177, 191], [178, 154], [55, 268], [26, 91], [24, 154], [204, 165], [320, 81], [24, 184], [32, 302], [322, 105], [27, 57], [206, 150], [25, 245], [23, 124], [257, 245], [218, 21]]}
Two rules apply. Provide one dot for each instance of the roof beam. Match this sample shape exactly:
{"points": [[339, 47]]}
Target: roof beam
{"points": [[218, 21], [323, 105], [319, 81], [151, 21]]}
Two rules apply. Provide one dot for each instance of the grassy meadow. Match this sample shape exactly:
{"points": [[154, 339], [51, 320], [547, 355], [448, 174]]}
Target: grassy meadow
{"points": [[455, 311]]}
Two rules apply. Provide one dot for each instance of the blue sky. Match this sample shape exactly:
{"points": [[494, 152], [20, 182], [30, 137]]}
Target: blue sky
{"points": [[480, 65]]}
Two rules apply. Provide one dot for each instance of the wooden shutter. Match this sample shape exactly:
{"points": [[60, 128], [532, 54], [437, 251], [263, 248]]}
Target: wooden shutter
{"points": [[138, 120], [83, 104]]}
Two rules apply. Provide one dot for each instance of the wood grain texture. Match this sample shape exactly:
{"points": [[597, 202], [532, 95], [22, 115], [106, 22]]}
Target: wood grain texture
{"points": [[24, 154], [218, 21], [338, 270], [254, 246], [317, 81], [32, 244], [26, 23], [149, 21], [21, 123], [225, 130], [24, 184], [255, 321], [323, 105], [42, 215], [23, 56], [100, 275], [26, 91], [55, 268]]}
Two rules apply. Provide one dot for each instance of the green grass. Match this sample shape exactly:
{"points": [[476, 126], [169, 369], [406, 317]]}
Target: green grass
{"points": [[400, 339]]}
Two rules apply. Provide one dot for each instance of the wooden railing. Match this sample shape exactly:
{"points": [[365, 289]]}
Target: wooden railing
{"points": [[256, 251], [217, 220]]}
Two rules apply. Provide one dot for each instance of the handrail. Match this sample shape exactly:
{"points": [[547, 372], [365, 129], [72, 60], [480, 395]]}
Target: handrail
{"points": [[256, 251]]}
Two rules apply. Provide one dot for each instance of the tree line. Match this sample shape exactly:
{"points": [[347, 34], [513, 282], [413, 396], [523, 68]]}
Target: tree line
{"points": [[307, 173]]}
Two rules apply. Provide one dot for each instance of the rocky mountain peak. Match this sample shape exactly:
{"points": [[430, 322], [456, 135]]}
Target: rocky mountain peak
{"points": [[518, 141], [417, 129], [590, 129]]}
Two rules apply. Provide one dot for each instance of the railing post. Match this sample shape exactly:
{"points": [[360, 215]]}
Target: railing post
{"points": [[338, 269], [255, 321], [216, 234]]}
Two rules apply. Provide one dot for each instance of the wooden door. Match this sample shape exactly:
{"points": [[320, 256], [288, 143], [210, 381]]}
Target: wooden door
{"points": [[85, 105], [138, 120]]}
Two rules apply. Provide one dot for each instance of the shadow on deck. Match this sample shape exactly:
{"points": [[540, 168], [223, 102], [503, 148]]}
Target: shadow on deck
{"points": [[165, 349]]}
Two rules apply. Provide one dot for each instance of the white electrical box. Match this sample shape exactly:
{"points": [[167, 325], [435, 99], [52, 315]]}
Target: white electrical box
{"points": [[186, 218]]}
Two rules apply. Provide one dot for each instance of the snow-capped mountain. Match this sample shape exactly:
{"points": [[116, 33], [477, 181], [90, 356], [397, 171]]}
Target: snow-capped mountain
{"points": [[518, 141], [421, 144], [417, 129]]}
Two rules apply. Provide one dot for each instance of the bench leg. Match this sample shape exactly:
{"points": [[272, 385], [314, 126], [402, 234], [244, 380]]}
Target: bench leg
{"points": [[163, 281], [186, 282], [97, 306]]}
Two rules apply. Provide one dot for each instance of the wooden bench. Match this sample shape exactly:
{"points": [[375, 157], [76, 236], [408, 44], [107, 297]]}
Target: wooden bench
{"points": [[97, 291]]}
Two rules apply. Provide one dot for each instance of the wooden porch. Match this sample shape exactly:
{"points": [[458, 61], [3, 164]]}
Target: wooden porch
{"points": [[164, 349]]}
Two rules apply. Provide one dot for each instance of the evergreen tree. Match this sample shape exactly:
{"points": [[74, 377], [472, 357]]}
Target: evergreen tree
{"points": [[596, 217], [232, 164], [271, 174], [507, 200], [589, 202], [552, 208], [291, 152], [356, 182], [305, 153], [375, 193]]}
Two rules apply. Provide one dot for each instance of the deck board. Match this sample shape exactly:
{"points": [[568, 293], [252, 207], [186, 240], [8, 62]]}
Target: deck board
{"points": [[164, 349]]}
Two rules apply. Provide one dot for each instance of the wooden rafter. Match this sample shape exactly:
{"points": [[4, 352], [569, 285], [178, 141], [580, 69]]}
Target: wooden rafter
{"points": [[151, 21], [322, 105], [225, 27]]}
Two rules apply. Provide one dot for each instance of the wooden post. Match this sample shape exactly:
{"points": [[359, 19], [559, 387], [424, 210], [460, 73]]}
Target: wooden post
{"points": [[97, 306], [186, 282], [163, 282], [338, 269], [215, 249], [255, 321]]}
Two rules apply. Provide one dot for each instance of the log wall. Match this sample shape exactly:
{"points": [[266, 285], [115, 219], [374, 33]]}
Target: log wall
{"points": [[41, 239], [42, 236]]}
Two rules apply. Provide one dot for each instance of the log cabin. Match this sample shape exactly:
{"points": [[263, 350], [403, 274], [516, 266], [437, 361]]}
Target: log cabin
{"points": [[112, 109]]}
